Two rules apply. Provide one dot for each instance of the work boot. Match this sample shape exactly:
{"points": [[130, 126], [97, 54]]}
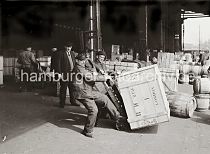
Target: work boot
{"points": [[122, 124], [87, 134]]}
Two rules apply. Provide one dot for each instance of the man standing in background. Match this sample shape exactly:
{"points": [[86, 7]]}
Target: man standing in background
{"points": [[66, 63], [54, 59]]}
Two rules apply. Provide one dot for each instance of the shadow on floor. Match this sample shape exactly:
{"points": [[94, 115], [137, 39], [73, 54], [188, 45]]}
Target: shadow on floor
{"points": [[22, 112], [146, 130], [69, 120], [201, 117]]}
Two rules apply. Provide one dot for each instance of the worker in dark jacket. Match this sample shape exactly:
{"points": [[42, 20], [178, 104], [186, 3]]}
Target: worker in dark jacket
{"points": [[66, 62], [84, 81], [28, 62], [54, 59]]}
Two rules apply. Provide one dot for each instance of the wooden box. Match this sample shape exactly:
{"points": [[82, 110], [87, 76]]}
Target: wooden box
{"points": [[9, 64], [170, 78], [144, 97], [165, 59], [121, 67], [45, 61]]}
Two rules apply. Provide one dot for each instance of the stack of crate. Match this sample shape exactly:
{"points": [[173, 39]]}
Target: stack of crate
{"points": [[178, 56], [144, 97], [121, 66], [10, 65], [45, 61], [169, 70], [165, 59], [116, 57]]}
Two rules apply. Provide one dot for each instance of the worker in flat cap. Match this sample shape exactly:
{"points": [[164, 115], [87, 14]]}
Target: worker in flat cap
{"points": [[84, 80], [101, 69], [100, 58]]}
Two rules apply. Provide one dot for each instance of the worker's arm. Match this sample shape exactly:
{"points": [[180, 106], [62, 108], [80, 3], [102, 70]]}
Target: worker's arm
{"points": [[91, 76]]}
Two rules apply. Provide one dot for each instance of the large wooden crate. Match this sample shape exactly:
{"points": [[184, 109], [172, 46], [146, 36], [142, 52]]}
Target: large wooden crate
{"points": [[1, 70], [144, 97], [170, 77]]}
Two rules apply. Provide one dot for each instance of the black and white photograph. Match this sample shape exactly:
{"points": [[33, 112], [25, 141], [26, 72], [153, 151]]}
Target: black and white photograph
{"points": [[105, 77]]}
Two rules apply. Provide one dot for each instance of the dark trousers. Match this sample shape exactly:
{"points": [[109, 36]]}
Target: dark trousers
{"points": [[98, 101], [25, 73], [63, 88]]}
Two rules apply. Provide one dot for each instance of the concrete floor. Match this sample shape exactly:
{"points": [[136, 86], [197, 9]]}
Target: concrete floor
{"points": [[33, 124]]}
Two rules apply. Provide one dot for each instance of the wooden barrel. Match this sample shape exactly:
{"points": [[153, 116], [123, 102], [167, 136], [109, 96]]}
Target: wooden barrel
{"points": [[196, 69], [201, 86], [183, 78], [202, 102], [181, 104], [185, 68]]}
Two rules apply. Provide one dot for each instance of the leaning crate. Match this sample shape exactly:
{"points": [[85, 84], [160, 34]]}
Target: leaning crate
{"points": [[144, 97]]}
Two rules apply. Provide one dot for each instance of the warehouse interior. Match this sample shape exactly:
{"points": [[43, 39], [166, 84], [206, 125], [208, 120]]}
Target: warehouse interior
{"points": [[146, 24], [32, 122]]}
